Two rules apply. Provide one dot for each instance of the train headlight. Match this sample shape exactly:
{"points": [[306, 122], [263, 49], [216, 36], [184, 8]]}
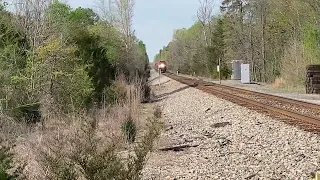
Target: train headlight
{"points": [[162, 66]]}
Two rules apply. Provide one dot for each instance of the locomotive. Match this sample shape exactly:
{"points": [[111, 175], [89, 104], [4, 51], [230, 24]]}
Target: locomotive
{"points": [[161, 66]]}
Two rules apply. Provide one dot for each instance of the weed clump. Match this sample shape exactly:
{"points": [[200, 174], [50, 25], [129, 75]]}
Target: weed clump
{"points": [[6, 165], [129, 129], [112, 143]]}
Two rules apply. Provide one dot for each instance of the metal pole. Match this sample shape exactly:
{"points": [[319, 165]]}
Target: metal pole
{"points": [[160, 69], [159, 76], [219, 71]]}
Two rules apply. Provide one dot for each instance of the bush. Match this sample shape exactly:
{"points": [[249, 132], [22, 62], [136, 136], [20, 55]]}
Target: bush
{"points": [[77, 155], [6, 164], [146, 93], [294, 65], [30, 113], [129, 129], [117, 92], [104, 145], [225, 72]]}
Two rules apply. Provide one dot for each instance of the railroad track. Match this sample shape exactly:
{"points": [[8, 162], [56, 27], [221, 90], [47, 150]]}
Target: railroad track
{"points": [[294, 112]]}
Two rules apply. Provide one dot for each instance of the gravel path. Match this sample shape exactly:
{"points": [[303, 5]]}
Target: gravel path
{"points": [[234, 142]]}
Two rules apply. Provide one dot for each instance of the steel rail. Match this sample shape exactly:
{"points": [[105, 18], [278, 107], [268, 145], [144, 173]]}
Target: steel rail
{"points": [[266, 95], [264, 106], [285, 112], [273, 97]]}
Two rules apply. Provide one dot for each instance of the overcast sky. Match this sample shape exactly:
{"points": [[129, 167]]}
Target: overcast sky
{"points": [[155, 20]]}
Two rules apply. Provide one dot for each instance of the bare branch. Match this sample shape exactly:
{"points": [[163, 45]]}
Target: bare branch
{"points": [[204, 15], [205, 11], [106, 10], [31, 17]]}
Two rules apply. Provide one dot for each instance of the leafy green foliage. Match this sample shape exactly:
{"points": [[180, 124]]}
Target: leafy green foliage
{"points": [[100, 69], [255, 31], [59, 13], [189, 54], [225, 72], [14, 46], [75, 65], [6, 164], [63, 62], [312, 42], [83, 17]]}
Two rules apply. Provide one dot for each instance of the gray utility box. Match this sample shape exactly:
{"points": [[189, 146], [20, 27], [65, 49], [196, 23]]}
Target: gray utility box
{"points": [[245, 74], [236, 69]]}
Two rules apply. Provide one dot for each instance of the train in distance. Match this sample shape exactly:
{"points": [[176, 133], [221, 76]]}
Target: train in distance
{"points": [[161, 66]]}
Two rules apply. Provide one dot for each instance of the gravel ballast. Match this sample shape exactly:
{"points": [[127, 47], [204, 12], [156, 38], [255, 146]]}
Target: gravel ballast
{"points": [[232, 141]]}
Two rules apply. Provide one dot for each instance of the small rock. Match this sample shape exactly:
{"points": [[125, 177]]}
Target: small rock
{"points": [[169, 128], [222, 124], [188, 140], [208, 134], [224, 142]]}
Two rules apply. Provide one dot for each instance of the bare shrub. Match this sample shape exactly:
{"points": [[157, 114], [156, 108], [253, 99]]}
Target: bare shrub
{"points": [[117, 92], [129, 129], [74, 153], [92, 145], [278, 83], [7, 169], [294, 64], [9, 131]]}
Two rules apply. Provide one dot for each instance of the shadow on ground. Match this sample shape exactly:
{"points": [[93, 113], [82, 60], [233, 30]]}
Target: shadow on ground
{"points": [[151, 80], [155, 79], [164, 95], [162, 83], [155, 100]]}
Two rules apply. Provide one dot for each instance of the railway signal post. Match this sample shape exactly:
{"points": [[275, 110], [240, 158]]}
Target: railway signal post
{"points": [[159, 70], [218, 69]]}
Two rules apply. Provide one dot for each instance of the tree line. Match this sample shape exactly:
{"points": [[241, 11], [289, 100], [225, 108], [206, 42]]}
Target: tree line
{"points": [[72, 81], [53, 54], [278, 38]]}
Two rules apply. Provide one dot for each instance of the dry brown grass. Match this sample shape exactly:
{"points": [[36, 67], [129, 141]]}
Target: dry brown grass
{"points": [[70, 146], [294, 64], [10, 129], [279, 82]]}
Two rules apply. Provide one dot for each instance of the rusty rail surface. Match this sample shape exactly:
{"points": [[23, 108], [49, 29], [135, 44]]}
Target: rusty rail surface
{"points": [[274, 97], [312, 123]]}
